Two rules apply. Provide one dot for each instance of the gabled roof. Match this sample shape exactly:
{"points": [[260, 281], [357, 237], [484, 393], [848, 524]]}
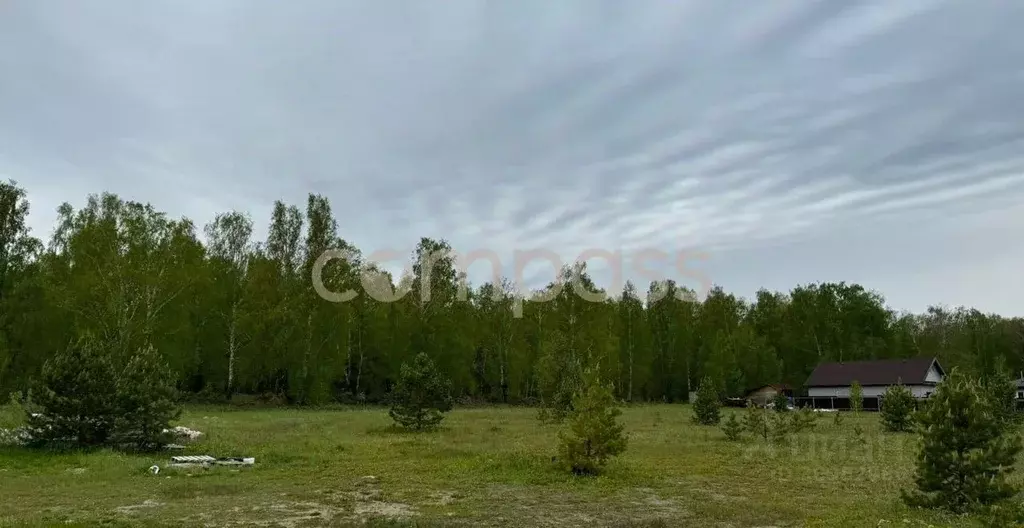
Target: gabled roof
{"points": [[781, 387], [878, 372]]}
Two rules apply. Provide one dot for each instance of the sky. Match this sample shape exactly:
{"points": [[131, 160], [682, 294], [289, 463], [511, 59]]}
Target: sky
{"points": [[762, 144]]}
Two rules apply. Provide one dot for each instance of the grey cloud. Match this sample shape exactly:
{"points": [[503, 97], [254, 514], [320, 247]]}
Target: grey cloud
{"points": [[793, 141]]}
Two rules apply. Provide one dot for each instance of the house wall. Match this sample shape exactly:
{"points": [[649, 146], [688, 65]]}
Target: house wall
{"points": [[933, 375], [919, 391], [763, 395]]}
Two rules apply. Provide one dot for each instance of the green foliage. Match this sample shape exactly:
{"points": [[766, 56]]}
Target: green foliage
{"points": [[858, 438], [780, 426], [241, 316], [146, 402], [292, 444], [780, 403], [18, 407], [967, 453], [84, 400], [706, 405], [897, 409], [758, 421], [1005, 513], [803, 420], [594, 434], [421, 396], [768, 424], [856, 397], [1001, 390], [76, 397], [558, 406], [837, 418], [732, 428]]}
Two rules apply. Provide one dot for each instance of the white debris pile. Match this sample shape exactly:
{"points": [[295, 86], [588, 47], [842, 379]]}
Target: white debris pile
{"points": [[207, 461], [14, 437], [184, 433]]}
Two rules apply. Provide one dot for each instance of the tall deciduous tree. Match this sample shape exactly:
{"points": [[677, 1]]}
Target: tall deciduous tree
{"points": [[579, 338], [634, 344], [856, 397], [233, 315], [18, 251], [229, 243]]}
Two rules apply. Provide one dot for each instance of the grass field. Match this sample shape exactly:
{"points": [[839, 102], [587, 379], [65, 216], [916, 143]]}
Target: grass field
{"points": [[486, 467]]}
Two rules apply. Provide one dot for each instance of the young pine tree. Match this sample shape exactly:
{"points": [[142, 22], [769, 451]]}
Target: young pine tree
{"points": [[966, 452], [76, 398], [758, 421], [803, 420], [780, 426], [856, 397], [732, 428], [146, 401], [594, 434], [421, 396], [897, 409], [857, 437], [706, 404]]}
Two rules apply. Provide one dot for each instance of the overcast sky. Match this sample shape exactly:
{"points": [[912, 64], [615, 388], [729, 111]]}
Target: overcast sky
{"points": [[789, 141]]}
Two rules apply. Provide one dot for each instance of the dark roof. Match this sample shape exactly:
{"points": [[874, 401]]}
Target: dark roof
{"points": [[877, 372]]}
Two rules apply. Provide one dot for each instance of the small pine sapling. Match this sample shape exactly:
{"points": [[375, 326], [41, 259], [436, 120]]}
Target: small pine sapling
{"points": [[779, 425], [756, 421], [803, 420], [594, 434], [732, 428], [897, 409], [858, 435], [706, 404], [421, 396]]}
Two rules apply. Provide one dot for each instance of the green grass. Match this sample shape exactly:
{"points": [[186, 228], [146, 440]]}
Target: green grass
{"points": [[488, 466]]}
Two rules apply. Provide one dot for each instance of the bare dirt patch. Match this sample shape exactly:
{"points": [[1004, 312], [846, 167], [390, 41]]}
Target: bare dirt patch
{"points": [[135, 508], [369, 502], [444, 498]]}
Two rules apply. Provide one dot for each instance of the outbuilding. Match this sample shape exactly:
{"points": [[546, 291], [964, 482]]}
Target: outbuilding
{"points": [[765, 394]]}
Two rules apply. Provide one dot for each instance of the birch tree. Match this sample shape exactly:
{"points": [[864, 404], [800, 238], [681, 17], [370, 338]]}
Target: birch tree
{"points": [[229, 243]]}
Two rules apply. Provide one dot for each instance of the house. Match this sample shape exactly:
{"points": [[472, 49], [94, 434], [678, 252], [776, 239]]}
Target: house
{"points": [[1020, 389], [833, 380], [765, 394]]}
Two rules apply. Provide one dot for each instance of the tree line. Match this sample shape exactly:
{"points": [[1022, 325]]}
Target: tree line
{"points": [[230, 314]]}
